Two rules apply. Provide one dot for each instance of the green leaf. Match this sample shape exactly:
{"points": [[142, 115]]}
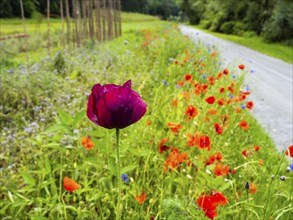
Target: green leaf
{"points": [[28, 178], [47, 165], [65, 118], [10, 196], [53, 187], [57, 127], [38, 217], [128, 168], [78, 117], [55, 146]]}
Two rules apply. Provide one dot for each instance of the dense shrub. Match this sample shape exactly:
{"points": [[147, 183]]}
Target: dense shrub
{"points": [[280, 26]]}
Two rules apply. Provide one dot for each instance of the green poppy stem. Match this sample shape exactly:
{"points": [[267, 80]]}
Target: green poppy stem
{"points": [[118, 212]]}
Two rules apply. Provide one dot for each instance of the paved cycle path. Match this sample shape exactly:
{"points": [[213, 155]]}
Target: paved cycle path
{"points": [[269, 79]]}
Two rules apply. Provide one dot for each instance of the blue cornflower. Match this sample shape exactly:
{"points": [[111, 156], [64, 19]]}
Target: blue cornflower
{"points": [[247, 88], [165, 82], [10, 71], [291, 166], [243, 106], [204, 76], [230, 95], [124, 177]]}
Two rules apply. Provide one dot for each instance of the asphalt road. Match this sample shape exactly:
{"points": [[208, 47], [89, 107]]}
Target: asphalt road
{"points": [[269, 79]]}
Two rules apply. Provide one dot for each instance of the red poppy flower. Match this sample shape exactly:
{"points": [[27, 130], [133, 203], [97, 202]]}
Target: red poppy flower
{"points": [[210, 99], [226, 71], [214, 54], [148, 123], [70, 185], [219, 198], [244, 125], [164, 148], [252, 188], [212, 111], [256, 148], [221, 169], [163, 141], [174, 103], [174, 127], [221, 101], [249, 105], [192, 140], [209, 208], [204, 142], [186, 95], [112, 106], [190, 112], [211, 80], [289, 151], [188, 77], [238, 110], [217, 156], [244, 153], [231, 89], [87, 143], [222, 90], [211, 159], [175, 159], [180, 83], [233, 171], [141, 199], [241, 66], [218, 128], [209, 203]]}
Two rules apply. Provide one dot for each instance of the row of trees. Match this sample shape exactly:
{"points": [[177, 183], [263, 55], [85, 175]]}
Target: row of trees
{"points": [[162, 8], [272, 19]]}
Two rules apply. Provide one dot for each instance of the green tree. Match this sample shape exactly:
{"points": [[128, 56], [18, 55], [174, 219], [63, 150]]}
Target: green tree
{"points": [[280, 25], [11, 8]]}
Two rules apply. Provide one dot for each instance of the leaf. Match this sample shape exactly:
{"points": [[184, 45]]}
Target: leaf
{"points": [[78, 117], [10, 196], [47, 165], [57, 127], [53, 187], [65, 118], [28, 178], [128, 168], [91, 160], [37, 217], [55, 146]]}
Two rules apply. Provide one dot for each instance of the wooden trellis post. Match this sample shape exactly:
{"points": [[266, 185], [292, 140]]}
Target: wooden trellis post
{"points": [[25, 32]]}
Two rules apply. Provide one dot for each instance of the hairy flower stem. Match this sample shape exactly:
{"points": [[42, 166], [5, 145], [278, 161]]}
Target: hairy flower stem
{"points": [[118, 211]]}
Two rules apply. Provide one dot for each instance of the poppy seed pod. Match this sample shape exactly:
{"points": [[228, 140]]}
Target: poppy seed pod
{"points": [[113, 106]]}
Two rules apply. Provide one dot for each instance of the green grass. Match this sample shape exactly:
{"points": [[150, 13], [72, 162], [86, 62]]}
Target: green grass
{"points": [[276, 50], [43, 119]]}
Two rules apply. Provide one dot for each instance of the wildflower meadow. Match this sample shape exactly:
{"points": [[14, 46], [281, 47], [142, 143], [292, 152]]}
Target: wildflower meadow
{"points": [[148, 126]]}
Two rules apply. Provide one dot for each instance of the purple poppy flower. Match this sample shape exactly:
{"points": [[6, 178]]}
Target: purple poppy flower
{"points": [[113, 106]]}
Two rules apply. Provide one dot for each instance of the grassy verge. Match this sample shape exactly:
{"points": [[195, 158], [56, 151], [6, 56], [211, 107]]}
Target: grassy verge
{"points": [[13, 50], [186, 148], [256, 43]]}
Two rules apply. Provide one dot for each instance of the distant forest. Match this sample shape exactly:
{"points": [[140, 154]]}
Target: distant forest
{"points": [[271, 19]]}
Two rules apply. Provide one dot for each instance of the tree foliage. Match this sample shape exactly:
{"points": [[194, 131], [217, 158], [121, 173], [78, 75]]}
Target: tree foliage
{"points": [[272, 19], [11, 8]]}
